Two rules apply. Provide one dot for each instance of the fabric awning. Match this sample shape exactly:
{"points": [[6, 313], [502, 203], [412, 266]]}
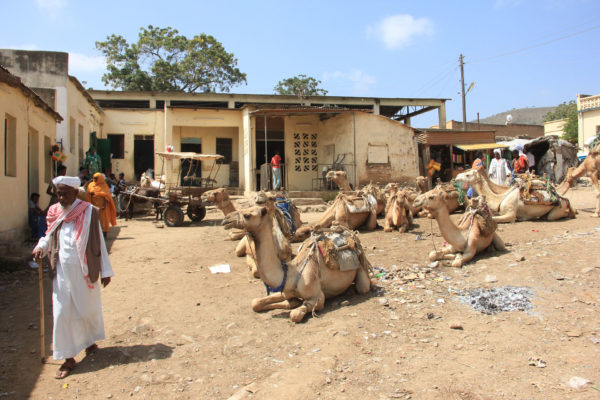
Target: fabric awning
{"points": [[188, 155], [480, 146]]}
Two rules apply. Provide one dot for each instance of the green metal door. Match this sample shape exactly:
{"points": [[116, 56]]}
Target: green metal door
{"points": [[103, 150]]}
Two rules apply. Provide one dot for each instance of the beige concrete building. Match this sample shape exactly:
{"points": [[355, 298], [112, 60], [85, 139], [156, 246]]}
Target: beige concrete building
{"points": [[588, 110], [248, 129], [505, 130], [28, 133], [556, 127], [46, 73]]}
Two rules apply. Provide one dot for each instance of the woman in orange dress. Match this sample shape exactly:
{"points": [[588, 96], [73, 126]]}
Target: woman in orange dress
{"points": [[99, 195]]}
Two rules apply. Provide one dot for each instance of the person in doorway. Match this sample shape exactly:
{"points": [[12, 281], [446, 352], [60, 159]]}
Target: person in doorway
{"points": [[51, 190], [499, 171], [477, 163], [93, 163], [531, 161], [37, 217], [78, 260], [275, 164], [99, 195]]}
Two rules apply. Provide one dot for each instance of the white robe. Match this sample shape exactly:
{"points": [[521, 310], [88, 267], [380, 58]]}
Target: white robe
{"points": [[77, 309], [499, 171]]}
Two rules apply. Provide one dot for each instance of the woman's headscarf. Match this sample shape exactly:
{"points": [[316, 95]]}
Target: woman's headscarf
{"points": [[98, 187], [519, 148]]}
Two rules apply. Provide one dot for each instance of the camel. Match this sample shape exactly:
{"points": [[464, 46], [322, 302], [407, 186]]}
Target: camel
{"points": [[351, 211], [421, 184], [591, 167], [341, 180], [397, 212], [220, 198], [509, 204], [377, 193], [454, 199], [476, 230], [302, 284]]}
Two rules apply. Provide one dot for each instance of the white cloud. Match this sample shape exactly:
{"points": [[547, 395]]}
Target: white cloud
{"points": [[51, 8], [361, 82], [398, 31], [80, 63]]}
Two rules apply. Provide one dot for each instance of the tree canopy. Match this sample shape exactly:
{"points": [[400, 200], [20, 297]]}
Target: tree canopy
{"points": [[566, 111], [164, 60], [301, 86]]}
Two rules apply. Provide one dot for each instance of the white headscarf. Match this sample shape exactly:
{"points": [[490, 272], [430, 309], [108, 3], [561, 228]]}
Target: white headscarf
{"points": [[519, 147], [497, 151], [71, 181]]}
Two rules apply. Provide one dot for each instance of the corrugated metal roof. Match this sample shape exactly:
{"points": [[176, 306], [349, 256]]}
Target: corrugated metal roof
{"points": [[307, 110], [480, 146]]}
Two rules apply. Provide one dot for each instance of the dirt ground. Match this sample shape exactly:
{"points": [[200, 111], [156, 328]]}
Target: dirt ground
{"points": [[174, 330]]}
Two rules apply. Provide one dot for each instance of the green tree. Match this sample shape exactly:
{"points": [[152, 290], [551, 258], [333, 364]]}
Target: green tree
{"points": [[164, 60], [566, 111], [301, 86]]}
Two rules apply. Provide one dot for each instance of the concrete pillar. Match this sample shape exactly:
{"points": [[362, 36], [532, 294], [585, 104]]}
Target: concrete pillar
{"points": [[376, 108], [231, 103], [407, 121], [152, 103], [442, 116]]}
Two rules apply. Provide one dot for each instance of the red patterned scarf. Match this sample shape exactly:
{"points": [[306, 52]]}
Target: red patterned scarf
{"points": [[77, 214]]}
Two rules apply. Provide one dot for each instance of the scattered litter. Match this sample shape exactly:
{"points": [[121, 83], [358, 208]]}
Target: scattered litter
{"points": [[507, 298], [419, 237], [578, 382], [220, 269], [573, 333], [595, 340], [537, 362], [456, 325], [491, 278], [441, 301]]}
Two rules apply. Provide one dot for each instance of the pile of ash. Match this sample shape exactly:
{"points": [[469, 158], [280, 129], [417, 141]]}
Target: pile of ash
{"points": [[492, 301]]}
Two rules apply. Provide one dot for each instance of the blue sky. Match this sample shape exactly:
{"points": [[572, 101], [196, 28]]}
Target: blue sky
{"points": [[356, 48]]}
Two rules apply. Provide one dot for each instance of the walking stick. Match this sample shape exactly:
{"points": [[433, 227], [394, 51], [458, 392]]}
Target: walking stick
{"points": [[42, 327]]}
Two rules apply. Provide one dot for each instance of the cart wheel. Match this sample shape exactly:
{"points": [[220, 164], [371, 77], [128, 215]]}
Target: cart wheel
{"points": [[196, 213], [173, 216]]}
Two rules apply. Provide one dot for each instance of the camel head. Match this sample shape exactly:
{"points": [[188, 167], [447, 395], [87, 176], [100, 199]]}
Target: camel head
{"points": [[421, 182], [249, 219], [336, 176], [215, 196], [431, 201], [469, 177]]}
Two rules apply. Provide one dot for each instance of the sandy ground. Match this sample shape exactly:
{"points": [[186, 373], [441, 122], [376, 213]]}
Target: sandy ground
{"points": [[174, 330]]}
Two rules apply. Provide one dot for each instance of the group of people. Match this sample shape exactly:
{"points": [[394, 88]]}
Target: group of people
{"points": [[501, 171]]}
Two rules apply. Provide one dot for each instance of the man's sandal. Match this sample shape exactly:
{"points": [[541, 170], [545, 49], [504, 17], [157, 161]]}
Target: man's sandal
{"points": [[64, 370], [91, 350]]}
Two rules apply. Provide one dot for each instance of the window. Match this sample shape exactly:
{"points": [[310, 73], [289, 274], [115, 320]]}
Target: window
{"points": [[117, 145], [80, 143], [72, 135], [224, 148], [10, 146], [377, 154], [47, 160]]}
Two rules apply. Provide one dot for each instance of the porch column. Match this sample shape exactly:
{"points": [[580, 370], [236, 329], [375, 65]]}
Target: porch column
{"points": [[442, 115]]}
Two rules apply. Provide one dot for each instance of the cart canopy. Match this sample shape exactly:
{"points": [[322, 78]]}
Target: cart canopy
{"points": [[189, 156]]}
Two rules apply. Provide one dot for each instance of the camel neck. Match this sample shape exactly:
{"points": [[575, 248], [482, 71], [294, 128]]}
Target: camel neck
{"points": [[492, 198], [448, 229], [226, 207], [267, 261]]}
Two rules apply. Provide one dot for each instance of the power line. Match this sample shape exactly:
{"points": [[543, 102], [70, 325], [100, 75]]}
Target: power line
{"points": [[535, 45]]}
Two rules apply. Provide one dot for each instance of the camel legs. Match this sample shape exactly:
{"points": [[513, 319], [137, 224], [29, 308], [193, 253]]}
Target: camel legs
{"points": [[438, 255], [371, 223], [362, 281], [498, 242], [309, 305], [594, 178], [240, 249], [273, 302], [562, 210]]}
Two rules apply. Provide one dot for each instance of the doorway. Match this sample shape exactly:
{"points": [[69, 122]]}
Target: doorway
{"points": [[191, 171], [143, 154], [33, 165], [265, 149]]}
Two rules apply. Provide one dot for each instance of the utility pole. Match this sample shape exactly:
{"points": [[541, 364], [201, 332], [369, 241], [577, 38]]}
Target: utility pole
{"points": [[462, 88]]}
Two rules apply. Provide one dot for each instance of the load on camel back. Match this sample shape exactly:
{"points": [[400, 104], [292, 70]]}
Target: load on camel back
{"points": [[528, 198]]}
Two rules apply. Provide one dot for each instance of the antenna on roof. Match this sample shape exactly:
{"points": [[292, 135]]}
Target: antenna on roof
{"points": [[508, 119]]}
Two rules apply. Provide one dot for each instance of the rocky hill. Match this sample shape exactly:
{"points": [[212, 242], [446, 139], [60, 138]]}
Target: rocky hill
{"points": [[530, 116]]}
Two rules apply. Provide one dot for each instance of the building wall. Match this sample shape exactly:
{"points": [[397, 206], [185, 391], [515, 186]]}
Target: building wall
{"points": [[300, 133], [84, 118], [30, 124], [588, 108], [555, 127], [510, 130], [43, 69]]}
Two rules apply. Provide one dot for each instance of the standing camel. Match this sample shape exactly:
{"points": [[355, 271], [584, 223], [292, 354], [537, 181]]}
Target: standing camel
{"points": [[589, 166], [475, 232], [302, 284]]}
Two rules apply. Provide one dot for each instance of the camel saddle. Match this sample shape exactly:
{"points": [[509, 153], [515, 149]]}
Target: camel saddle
{"points": [[365, 203], [537, 191], [338, 250]]}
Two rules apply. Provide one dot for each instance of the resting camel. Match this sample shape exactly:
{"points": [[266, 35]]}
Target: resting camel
{"points": [[591, 167], [377, 193], [508, 203], [397, 212], [351, 211], [453, 199], [220, 198], [341, 180], [421, 184], [476, 230], [302, 284]]}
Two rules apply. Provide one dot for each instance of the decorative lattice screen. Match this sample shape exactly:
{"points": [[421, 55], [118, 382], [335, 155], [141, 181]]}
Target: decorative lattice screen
{"points": [[305, 152]]}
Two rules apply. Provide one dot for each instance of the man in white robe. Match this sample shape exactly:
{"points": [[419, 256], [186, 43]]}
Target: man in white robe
{"points": [[79, 264], [499, 171]]}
